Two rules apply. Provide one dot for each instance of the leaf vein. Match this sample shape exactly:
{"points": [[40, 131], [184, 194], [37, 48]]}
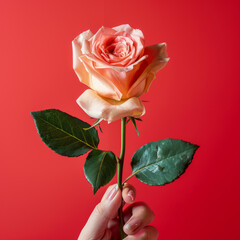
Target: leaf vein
{"points": [[70, 135], [100, 167], [167, 158]]}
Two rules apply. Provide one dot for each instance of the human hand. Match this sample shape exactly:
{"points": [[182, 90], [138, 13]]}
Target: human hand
{"points": [[103, 223]]}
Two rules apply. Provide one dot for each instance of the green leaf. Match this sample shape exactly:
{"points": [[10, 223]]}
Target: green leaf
{"points": [[161, 162], [134, 123], [100, 168], [64, 133]]}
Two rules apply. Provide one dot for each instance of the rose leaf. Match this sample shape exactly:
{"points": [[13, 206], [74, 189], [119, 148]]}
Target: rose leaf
{"points": [[161, 162], [64, 133], [100, 168]]}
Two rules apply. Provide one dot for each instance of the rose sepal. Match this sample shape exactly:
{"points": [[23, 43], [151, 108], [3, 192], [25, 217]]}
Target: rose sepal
{"points": [[94, 124], [132, 119]]}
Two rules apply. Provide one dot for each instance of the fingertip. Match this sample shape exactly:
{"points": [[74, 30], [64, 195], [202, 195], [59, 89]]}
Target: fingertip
{"points": [[133, 226], [128, 193], [114, 191], [108, 191]]}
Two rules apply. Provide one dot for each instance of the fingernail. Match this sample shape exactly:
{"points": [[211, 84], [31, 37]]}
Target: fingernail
{"points": [[131, 195], [112, 193], [133, 224]]}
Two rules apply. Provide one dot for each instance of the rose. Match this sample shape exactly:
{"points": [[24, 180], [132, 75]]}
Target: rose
{"points": [[118, 68]]}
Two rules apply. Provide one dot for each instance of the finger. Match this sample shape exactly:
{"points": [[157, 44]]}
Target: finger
{"points": [[128, 212], [105, 196], [147, 233], [128, 193], [107, 235], [141, 216], [102, 213], [114, 227]]}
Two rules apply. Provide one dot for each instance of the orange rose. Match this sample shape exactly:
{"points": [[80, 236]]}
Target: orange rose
{"points": [[118, 68]]}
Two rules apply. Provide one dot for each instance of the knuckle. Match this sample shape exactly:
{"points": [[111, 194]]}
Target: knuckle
{"points": [[101, 211]]}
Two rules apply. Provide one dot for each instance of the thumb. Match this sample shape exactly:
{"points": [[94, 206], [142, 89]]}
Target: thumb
{"points": [[106, 210]]}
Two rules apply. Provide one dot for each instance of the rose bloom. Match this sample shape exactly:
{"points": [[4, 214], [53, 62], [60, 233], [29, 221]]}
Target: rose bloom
{"points": [[118, 68]]}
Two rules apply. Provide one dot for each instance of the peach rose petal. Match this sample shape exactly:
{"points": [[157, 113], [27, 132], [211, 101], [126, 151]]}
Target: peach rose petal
{"points": [[116, 68], [122, 80], [108, 82], [100, 82], [127, 28], [77, 46], [157, 59], [110, 110], [101, 33], [135, 33]]}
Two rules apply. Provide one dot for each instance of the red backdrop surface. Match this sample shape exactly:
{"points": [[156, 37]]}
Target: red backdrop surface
{"points": [[195, 97]]}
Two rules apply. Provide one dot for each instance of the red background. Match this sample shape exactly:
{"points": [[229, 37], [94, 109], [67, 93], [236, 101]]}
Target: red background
{"points": [[195, 98]]}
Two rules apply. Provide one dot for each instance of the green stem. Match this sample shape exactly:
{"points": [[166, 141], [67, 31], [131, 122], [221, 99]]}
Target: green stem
{"points": [[120, 170]]}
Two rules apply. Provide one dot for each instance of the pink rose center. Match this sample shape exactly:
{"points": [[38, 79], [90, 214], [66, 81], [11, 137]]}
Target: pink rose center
{"points": [[116, 50]]}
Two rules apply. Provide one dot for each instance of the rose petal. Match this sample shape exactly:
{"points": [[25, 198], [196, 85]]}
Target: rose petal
{"points": [[136, 34], [157, 59], [78, 67], [100, 82], [106, 35], [102, 32], [100, 64], [108, 82], [122, 80], [110, 110], [127, 28]]}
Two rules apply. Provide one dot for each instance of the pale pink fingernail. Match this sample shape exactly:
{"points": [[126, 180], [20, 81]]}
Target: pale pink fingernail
{"points": [[133, 224], [112, 193], [131, 195]]}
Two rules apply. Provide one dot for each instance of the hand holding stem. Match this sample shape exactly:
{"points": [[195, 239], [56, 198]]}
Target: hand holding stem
{"points": [[103, 222]]}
